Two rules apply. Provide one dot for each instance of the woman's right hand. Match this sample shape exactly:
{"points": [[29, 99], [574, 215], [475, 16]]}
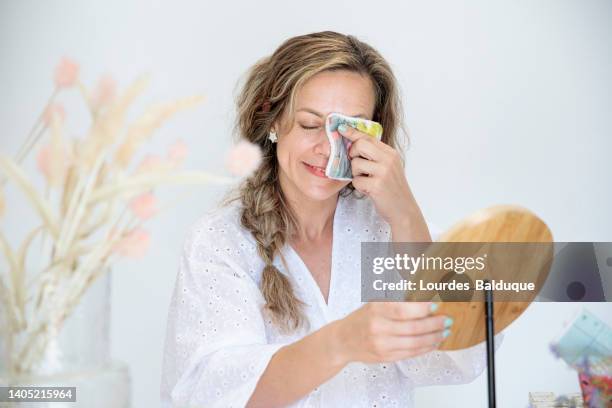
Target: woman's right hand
{"points": [[389, 331]]}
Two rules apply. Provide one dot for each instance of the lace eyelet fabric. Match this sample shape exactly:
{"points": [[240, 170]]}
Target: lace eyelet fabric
{"points": [[219, 342]]}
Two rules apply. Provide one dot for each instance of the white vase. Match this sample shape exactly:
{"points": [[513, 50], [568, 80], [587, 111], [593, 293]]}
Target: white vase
{"points": [[79, 356]]}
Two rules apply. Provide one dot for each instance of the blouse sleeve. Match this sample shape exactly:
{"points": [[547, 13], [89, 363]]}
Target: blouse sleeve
{"points": [[447, 367], [215, 348]]}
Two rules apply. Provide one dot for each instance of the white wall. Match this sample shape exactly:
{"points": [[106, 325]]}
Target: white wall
{"points": [[506, 102]]}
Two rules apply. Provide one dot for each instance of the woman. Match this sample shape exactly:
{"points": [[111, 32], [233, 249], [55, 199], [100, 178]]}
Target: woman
{"points": [[266, 310]]}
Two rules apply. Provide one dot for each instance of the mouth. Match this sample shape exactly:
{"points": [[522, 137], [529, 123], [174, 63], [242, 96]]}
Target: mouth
{"points": [[316, 170]]}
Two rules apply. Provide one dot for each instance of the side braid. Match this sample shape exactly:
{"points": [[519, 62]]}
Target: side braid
{"points": [[266, 216]]}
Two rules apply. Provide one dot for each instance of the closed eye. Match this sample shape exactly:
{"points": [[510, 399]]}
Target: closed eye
{"points": [[309, 127]]}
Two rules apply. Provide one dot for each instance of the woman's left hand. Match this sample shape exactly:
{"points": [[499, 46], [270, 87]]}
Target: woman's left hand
{"points": [[378, 172]]}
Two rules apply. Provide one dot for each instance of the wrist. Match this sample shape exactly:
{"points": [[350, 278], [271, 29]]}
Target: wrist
{"points": [[336, 344], [403, 221], [410, 227]]}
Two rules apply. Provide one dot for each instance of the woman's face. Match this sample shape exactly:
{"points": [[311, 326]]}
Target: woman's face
{"points": [[305, 144]]}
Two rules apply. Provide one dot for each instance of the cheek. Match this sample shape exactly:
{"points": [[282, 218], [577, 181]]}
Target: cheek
{"points": [[283, 160], [293, 150], [285, 154]]}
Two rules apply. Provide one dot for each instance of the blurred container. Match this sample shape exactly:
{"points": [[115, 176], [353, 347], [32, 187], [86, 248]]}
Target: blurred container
{"points": [[79, 356]]}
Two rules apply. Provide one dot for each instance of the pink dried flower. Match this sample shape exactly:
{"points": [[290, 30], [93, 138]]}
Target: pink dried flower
{"points": [[53, 161], [144, 206], [243, 158], [53, 164], [66, 73], [43, 160], [134, 244], [104, 92], [177, 152], [54, 110], [150, 162]]}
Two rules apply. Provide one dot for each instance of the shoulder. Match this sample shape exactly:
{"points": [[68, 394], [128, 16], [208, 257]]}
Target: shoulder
{"points": [[217, 235]]}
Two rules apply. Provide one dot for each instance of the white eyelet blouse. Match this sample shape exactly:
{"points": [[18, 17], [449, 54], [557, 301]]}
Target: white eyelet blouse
{"points": [[219, 343]]}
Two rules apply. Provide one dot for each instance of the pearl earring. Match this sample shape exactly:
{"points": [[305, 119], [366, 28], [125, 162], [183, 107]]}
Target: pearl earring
{"points": [[272, 136]]}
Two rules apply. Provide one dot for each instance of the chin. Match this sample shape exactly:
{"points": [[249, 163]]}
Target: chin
{"points": [[319, 194], [320, 190]]}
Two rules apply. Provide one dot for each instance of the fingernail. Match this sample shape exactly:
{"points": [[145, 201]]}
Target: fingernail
{"points": [[342, 128], [446, 333], [448, 322], [433, 307]]}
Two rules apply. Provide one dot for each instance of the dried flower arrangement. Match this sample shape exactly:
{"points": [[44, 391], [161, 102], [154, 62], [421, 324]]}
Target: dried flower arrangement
{"points": [[93, 208]]}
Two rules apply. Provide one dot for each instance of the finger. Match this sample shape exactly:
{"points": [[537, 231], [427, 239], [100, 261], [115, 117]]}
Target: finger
{"points": [[402, 355], [397, 343], [407, 310], [431, 324], [351, 133], [416, 327], [363, 184], [361, 166], [367, 148]]}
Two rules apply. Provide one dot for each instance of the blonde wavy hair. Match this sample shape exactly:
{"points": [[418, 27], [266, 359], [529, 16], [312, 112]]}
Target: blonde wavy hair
{"points": [[269, 92]]}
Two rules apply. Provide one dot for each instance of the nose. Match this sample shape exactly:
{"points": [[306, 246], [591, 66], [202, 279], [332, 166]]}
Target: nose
{"points": [[322, 146]]}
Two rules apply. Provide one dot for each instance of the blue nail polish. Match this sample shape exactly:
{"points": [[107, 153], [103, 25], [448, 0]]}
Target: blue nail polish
{"points": [[446, 333], [433, 307], [448, 322], [342, 128]]}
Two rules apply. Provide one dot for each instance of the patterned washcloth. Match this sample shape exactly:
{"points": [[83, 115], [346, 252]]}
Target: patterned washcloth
{"points": [[339, 164]]}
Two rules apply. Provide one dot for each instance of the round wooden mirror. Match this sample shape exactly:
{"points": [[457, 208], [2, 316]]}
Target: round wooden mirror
{"points": [[496, 224]]}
